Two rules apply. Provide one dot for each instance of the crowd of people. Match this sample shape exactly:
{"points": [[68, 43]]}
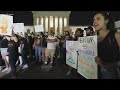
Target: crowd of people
{"points": [[43, 48]]}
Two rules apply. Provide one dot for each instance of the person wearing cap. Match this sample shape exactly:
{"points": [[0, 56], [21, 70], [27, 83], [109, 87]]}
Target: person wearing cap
{"points": [[89, 31]]}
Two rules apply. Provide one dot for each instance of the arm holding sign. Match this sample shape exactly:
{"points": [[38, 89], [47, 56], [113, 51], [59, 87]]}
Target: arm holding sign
{"points": [[99, 61], [117, 36], [51, 40], [116, 63]]}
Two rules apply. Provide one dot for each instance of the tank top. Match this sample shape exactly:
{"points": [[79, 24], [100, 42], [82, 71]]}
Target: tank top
{"points": [[37, 41], [108, 48]]}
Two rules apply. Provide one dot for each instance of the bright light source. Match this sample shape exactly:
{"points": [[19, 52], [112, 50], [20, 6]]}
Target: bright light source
{"points": [[60, 22], [56, 24], [65, 22], [51, 21], [46, 24]]}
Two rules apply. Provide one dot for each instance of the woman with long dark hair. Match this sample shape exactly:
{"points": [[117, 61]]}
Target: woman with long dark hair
{"points": [[108, 46]]}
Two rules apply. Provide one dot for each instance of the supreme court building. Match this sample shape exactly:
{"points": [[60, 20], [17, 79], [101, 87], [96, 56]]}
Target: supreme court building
{"points": [[55, 20]]}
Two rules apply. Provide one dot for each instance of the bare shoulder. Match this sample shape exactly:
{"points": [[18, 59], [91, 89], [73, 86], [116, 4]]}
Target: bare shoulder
{"points": [[117, 36]]}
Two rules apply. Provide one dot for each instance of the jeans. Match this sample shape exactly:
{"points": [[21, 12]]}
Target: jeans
{"points": [[0, 60], [63, 54], [24, 57], [109, 73], [38, 50], [13, 57]]}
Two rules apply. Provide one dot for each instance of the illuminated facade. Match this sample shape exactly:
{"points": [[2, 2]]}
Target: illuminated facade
{"points": [[55, 20]]}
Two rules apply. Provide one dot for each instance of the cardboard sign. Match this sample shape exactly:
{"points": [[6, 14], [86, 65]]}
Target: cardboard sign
{"points": [[87, 66], [6, 22]]}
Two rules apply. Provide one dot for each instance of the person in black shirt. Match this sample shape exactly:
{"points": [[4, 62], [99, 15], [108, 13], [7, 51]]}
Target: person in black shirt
{"points": [[24, 49], [4, 48], [30, 48], [108, 58], [13, 45], [44, 45], [63, 46], [1, 63]]}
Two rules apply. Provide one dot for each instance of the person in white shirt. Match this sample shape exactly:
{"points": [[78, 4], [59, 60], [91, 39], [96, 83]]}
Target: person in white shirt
{"points": [[51, 46]]}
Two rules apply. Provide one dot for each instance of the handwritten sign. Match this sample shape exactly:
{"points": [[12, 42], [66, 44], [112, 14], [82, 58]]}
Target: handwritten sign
{"points": [[39, 28], [87, 66], [18, 28], [6, 22], [71, 54]]}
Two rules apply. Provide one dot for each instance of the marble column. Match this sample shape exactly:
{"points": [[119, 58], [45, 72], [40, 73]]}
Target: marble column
{"points": [[62, 25], [44, 23], [48, 24], [40, 20], [54, 23], [58, 29], [67, 21], [35, 20]]}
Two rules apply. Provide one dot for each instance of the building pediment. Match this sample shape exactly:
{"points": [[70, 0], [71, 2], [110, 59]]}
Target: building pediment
{"points": [[50, 13]]}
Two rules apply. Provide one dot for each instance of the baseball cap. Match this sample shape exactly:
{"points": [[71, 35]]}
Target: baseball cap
{"points": [[91, 29]]}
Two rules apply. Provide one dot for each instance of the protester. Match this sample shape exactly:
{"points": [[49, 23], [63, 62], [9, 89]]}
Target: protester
{"points": [[4, 48], [1, 61], [44, 45], [63, 46], [51, 46], [24, 51], [108, 46], [89, 31], [38, 48], [13, 55], [78, 33]]}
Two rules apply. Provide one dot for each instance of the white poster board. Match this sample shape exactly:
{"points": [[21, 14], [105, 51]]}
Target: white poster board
{"points": [[39, 28], [87, 66], [117, 24], [6, 22], [31, 28], [71, 54], [18, 28]]}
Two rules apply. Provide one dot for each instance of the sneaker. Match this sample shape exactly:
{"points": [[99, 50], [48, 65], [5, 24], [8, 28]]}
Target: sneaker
{"points": [[6, 69], [1, 68], [51, 64], [25, 66], [43, 66], [45, 63]]}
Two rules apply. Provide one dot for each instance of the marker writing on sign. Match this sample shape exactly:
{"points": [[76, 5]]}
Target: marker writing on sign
{"points": [[87, 40], [87, 52]]}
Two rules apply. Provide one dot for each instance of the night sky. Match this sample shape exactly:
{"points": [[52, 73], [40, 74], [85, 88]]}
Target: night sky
{"points": [[25, 17], [86, 17], [76, 17]]}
